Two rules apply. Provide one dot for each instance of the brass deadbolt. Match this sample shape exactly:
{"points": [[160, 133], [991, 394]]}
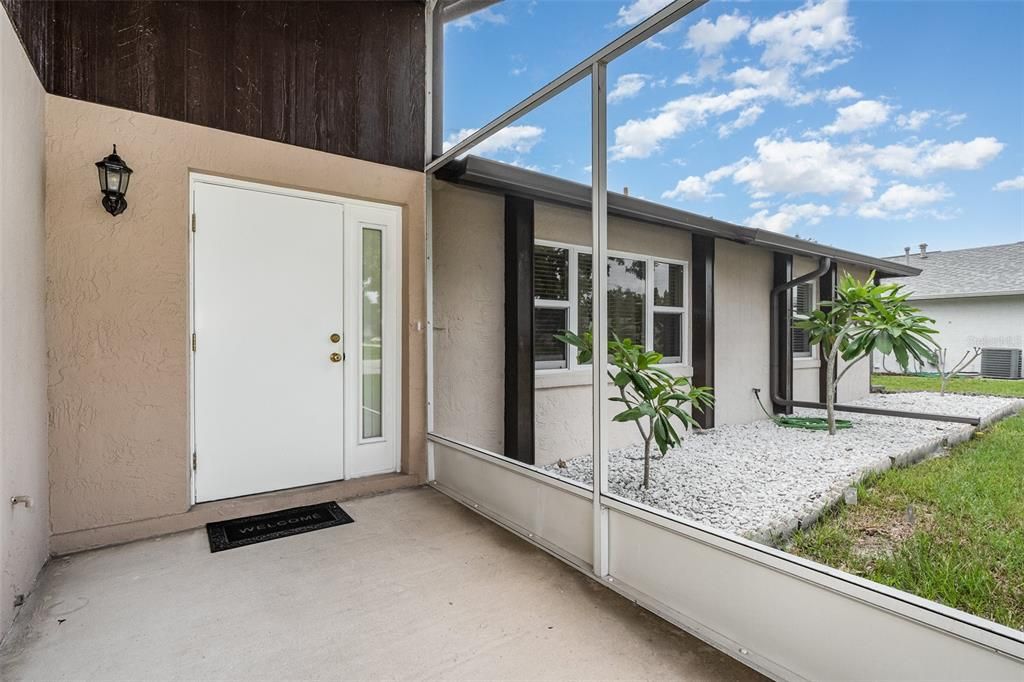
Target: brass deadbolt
{"points": [[335, 338], [335, 357]]}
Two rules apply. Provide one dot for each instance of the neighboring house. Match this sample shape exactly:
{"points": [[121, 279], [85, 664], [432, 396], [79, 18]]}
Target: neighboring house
{"points": [[975, 296]]}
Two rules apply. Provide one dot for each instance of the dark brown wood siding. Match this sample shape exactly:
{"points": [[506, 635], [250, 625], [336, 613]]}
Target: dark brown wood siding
{"points": [[341, 77]]}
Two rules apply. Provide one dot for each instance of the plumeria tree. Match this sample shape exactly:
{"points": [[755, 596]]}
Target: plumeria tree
{"points": [[947, 371], [865, 317], [652, 397]]}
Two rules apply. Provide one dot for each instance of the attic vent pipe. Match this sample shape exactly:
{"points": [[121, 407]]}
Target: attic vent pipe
{"points": [[906, 255], [625, 190], [924, 250]]}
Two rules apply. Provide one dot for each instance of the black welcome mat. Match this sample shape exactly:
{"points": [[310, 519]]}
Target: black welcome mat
{"points": [[280, 524]]}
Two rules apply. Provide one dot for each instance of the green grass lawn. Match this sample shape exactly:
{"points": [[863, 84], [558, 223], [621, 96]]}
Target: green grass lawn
{"points": [[978, 385], [962, 544]]}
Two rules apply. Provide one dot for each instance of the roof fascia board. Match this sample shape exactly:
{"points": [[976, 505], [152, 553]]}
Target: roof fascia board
{"points": [[502, 177], [967, 294]]}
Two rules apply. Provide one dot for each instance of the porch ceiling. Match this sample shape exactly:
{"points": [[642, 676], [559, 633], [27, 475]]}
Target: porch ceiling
{"points": [[417, 587]]}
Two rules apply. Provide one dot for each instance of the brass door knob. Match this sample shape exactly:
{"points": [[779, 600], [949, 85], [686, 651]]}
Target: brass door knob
{"points": [[335, 357]]}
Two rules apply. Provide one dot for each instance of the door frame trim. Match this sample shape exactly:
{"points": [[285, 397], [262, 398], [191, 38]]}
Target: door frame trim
{"points": [[394, 251]]}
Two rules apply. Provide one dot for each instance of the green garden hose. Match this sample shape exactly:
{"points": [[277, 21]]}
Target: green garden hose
{"points": [[810, 423]]}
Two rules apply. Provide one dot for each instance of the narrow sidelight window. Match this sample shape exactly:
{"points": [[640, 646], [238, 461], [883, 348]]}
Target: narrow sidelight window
{"points": [[370, 361]]}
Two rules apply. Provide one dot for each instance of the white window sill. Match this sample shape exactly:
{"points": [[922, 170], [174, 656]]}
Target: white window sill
{"points": [[805, 363], [583, 376]]}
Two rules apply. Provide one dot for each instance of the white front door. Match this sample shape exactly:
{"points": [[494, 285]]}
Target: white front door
{"points": [[286, 355]]}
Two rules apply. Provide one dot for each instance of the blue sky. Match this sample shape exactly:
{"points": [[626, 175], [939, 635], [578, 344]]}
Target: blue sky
{"points": [[865, 125]]}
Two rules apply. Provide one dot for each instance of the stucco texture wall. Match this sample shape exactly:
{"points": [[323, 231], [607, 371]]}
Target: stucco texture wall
{"points": [[743, 279], [468, 268], [118, 294], [23, 530], [469, 317]]}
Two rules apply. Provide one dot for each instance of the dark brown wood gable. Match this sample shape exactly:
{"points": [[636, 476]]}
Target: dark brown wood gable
{"points": [[340, 77]]}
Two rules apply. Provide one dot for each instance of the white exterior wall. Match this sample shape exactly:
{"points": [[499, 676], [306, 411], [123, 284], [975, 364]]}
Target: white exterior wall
{"points": [[24, 531], [988, 322]]}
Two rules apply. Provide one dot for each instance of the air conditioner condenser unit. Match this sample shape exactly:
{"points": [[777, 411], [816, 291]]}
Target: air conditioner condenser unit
{"points": [[1001, 363]]}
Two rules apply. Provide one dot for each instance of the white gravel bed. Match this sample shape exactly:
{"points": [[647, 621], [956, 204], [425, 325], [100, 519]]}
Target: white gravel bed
{"points": [[764, 481]]}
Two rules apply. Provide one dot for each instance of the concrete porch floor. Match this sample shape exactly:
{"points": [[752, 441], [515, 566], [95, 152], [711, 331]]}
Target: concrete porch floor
{"points": [[418, 587]]}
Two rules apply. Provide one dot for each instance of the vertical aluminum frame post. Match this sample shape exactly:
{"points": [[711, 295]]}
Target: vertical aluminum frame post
{"points": [[599, 270]]}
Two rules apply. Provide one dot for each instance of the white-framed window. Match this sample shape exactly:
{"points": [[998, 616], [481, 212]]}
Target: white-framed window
{"points": [[803, 304], [647, 302]]}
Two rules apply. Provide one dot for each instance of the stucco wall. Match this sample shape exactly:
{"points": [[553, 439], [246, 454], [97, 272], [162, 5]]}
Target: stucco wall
{"points": [[990, 322], [468, 241], [743, 279], [469, 315], [118, 294], [23, 531]]}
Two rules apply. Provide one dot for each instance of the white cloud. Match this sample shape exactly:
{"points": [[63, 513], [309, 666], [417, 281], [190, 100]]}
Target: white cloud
{"points": [[654, 44], [845, 92], [789, 215], [914, 120], [825, 67], [638, 10], [953, 120], [804, 35], [1010, 185], [628, 85], [692, 188], [746, 118], [927, 157], [785, 166], [711, 37], [903, 201], [639, 138], [477, 19], [519, 139], [862, 115]]}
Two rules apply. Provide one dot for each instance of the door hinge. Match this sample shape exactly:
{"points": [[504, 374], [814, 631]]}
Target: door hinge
{"points": [[193, 342], [193, 461], [193, 222]]}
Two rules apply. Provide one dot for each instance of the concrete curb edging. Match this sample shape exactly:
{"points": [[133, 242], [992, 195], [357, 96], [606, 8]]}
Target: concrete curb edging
{"points": [[780, 533]]}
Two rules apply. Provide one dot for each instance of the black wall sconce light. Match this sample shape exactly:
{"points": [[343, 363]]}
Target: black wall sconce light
{"points": [[114, 176]]}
